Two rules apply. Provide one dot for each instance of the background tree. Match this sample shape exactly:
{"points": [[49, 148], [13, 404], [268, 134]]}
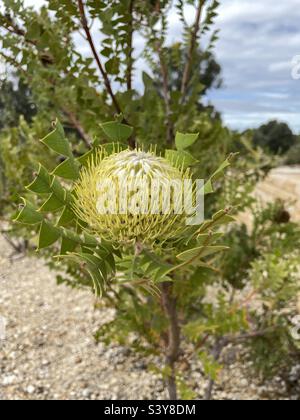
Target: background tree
{"points": [[274, 136], [15, 100]]}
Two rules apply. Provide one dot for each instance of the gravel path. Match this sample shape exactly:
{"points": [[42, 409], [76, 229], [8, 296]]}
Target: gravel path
{"points": [[49, 351]]}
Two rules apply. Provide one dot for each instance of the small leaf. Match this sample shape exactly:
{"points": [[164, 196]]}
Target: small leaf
{"points": [[69, 169], [117, 131], [52, 204], [42, 183], [49, 234], [57, 141], [112, 66], [208, 188], [202, 251], [58, 190], [66, 217], [28, 215], [67, 245], [180, 158], [209, 237], [183, 141]]}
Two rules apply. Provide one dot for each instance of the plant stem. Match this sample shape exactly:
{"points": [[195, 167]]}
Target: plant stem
{"points": [[167, 97], [216, 353], [78, 127], [101, 68], [173, 337], [194, 34], [130, 46]]}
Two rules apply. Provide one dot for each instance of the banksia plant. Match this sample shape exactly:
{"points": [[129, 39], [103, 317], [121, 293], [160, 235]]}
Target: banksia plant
{"points": [[128, 256]]}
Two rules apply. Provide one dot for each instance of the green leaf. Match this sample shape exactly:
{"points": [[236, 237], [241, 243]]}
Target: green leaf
{"points": [[28, 215], [116, 131], [84, 159], [52, 204], [180, 158], [183, 141], [111, 148], [148, 82], [208, 238], [69, 169], [202, 251], [58, 190], [222, 218], [57, 141], [66, 217], [208, 188], [42, 183], [67, 245], [49, 234], [112, 66]]}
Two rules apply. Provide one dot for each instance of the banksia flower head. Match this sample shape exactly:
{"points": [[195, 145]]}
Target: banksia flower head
{"points": [[132, 196]]}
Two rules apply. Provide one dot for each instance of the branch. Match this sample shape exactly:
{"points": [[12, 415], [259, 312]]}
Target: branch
{"points": [[223, 342], [167, 98], [107, 83], [173, 339], [187, 69], [130, 47], [78, 127], [13, 28], [96, 56], [220, 344]]}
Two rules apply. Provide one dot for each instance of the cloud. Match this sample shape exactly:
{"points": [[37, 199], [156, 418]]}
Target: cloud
{"points": [[258, 41]]}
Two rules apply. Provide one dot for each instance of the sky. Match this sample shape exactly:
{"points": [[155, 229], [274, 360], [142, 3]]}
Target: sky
{"points": [[258, 41]]}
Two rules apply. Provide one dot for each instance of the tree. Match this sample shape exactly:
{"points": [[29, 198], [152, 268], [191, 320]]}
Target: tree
{"points": [[206, 71], [274, 136], [15, 100]]}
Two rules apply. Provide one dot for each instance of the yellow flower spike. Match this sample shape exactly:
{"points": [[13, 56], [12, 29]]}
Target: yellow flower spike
{"points": [[111, 188]]}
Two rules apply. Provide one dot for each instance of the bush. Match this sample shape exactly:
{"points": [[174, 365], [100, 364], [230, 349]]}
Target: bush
{"points": [[276, 137], [293, 155]]}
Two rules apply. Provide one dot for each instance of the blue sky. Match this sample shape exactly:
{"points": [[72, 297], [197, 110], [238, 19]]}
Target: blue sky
{"points": [[258, 40]]}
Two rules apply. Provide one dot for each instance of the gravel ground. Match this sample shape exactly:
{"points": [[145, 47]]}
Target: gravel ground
{"points": [[49, 352]]}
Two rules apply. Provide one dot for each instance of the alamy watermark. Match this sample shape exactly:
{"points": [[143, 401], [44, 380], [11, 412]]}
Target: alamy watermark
{"points": [[295, 330], [296, 67], [141, 196]]}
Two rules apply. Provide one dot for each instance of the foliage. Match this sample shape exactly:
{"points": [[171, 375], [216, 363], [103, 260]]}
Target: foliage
{"points": [[15, 101], [275, 137], [267, 259], [293, 155]]}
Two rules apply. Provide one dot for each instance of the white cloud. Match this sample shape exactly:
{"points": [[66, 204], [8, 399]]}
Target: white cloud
{"points": [[258, 40]]}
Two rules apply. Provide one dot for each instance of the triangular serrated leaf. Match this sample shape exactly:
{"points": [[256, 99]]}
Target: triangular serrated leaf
{"points": [[69, 169], [42, 183], [67, 245], [52, 204], [57, 141], [180, 158], [116, 131], [208, 187], [48, 235], [66, 217], [183, 141], [29, 215]]}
